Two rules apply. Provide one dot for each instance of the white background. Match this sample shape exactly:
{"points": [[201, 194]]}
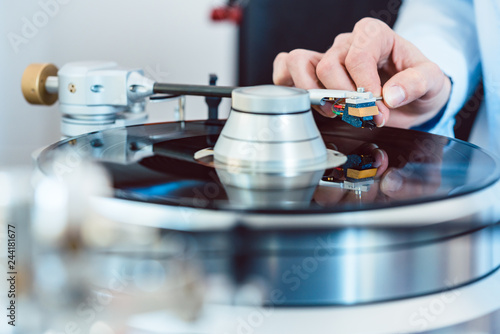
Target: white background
{"points": [[172, 40]]}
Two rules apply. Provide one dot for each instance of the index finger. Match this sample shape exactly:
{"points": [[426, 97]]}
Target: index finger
{"points": [[301, 65], [371, 47]]}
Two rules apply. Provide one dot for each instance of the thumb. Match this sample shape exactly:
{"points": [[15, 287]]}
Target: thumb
{"points": [[410, 85]]}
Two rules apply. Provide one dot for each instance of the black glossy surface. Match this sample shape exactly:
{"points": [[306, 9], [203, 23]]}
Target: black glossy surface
{"points": [[429, 167]]}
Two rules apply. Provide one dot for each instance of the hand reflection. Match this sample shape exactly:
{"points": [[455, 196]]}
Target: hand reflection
{"points": [[415, 177], [412, 173]]}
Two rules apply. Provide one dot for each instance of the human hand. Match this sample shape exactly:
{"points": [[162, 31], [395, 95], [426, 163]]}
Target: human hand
{"points": [[374, 57]]}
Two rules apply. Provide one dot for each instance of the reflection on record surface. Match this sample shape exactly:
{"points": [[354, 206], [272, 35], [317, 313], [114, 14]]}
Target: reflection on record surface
{"points": [[385, 167]]}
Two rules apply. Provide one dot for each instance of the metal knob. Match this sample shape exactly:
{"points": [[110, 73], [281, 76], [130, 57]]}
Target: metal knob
{"points": [[34, 84]]}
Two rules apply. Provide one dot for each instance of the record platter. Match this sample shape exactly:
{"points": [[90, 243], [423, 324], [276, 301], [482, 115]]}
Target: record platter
{"points": [[389, 217]]}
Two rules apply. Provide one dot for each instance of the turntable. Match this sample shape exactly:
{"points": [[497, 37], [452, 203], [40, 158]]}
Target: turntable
{"points": [[361, 230]]}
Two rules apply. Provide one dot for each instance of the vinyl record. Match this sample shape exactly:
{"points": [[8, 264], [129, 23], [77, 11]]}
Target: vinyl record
{"points": [[387, 169]]}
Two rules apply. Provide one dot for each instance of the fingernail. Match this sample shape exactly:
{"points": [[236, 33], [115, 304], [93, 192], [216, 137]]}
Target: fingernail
{"points": [[328, 110], [379, 156], [381, 124], [392, 182], [394, 96], [325, 111]]}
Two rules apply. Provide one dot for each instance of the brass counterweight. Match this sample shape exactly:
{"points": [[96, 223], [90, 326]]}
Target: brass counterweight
{"points": [[33, 83]]}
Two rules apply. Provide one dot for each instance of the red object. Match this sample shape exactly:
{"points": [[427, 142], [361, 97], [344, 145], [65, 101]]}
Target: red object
{"points": [[228, 13]]}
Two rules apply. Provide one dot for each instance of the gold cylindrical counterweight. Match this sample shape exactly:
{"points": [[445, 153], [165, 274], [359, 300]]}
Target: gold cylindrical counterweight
{"points": [[33, 83]]}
